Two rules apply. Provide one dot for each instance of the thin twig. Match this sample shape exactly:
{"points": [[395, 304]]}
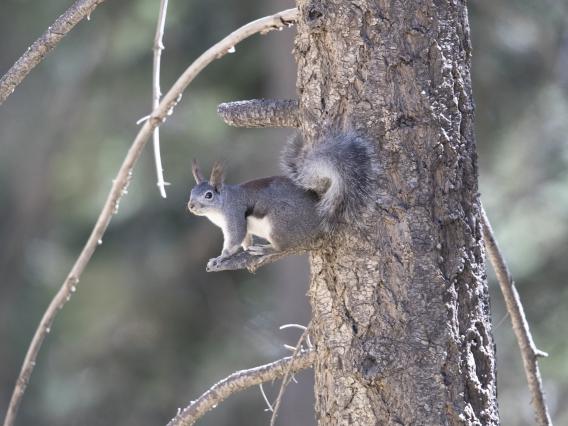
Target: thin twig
{"points": [[156, 93], [285, 380], [529, 351], [300, 327], [119, 187], [266, 401], [45, 44], [239, 381]]}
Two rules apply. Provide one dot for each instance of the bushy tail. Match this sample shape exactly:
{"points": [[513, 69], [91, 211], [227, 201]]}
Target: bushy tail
{"points": [[339, 169]]}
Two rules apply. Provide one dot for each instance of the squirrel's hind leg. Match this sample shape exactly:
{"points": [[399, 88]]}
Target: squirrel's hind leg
{"points": [[247, 242], [261, 250]]}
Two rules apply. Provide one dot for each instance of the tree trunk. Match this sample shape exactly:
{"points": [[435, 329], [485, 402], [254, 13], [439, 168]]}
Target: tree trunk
{"points": [[400, 303]]}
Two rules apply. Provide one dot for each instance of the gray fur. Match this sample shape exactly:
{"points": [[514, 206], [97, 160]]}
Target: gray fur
{"points": [[327, 184], [338, 168]]}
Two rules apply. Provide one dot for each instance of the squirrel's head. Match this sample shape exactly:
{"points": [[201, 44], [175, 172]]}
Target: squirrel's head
{"points": [[206, 196]]}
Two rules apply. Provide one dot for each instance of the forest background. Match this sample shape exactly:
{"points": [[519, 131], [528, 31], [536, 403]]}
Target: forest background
{"points": [[149, 330]]}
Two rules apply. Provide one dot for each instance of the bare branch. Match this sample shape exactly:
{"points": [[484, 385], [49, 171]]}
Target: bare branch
{"points": [[119, 188], [529, 351], [285, 380], [260, 113], [246, 260], [156, 93], [266, 401], [239, 381], [301, 327], [45, 44]]}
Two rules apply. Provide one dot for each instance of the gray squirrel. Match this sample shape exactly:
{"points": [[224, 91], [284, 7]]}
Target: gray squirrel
{"points": [[326, 184]]}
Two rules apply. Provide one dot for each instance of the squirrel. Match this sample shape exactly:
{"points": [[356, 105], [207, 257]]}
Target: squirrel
{"points": [[326, 184]]}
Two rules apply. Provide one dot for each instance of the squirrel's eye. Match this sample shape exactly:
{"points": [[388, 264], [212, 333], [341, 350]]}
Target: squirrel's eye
{"points": [[208, 195]]}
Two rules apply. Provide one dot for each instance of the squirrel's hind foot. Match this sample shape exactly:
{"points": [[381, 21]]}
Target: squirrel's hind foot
{"points": [[260, 250]]}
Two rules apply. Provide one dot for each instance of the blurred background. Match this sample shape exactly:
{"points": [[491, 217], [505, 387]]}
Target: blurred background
{"points": [[148, 330]]}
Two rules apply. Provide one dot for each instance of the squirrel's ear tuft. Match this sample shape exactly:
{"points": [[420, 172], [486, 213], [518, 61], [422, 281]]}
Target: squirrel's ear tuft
{"points": [[217, 175], [196, 171]]}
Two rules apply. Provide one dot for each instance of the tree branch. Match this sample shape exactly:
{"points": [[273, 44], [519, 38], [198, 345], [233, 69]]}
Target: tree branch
{"points": [[156, 93], [246, 260], [286, 379], [529, 351], [239, 381], [260, 113], [45, 44], [119, 187]]}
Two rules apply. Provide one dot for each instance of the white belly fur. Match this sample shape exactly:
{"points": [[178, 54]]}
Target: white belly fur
{"points": [[259, 227], [218, 219]]}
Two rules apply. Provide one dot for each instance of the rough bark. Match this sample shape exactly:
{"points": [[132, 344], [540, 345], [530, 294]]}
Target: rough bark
{"points": [[400, 302], [260, 113]]}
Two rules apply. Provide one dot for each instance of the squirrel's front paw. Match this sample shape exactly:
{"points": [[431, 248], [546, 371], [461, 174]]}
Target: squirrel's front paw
{"points": [[214, 262]]}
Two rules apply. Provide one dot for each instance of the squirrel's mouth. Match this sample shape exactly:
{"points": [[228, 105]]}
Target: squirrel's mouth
{"points": [[195, 209]]}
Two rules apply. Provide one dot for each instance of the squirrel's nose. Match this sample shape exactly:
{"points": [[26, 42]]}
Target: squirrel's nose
{"points": [[190, 205]]}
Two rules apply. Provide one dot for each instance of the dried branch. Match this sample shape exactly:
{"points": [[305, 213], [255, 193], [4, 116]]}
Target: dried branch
{"points": [[261, 113], [266, 401], [239, 381], [156, 93], [119, 188], [45, 44], [285, 380], [301, 327], [246, 260], [529, 351]]}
